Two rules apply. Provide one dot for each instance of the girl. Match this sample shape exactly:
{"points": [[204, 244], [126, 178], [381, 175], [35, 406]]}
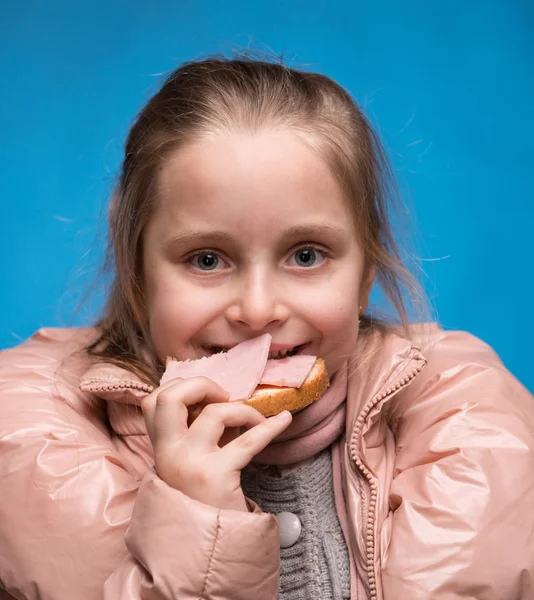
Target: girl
{"points": [[254, 199]]}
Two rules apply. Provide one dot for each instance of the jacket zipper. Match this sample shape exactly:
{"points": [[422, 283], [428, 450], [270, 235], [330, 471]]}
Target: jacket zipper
{"points": [[370, 507]]}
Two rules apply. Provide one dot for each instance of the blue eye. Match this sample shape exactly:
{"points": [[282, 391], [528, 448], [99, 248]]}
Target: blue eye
{"points": [[308, 257], [205, 261]]}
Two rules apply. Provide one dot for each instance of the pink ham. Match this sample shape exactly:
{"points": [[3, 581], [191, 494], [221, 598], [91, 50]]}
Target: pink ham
{"points": [[237, 371], [243, 367], [287, 372]]}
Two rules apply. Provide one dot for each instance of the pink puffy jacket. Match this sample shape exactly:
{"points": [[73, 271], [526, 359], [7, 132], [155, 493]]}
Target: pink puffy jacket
{"points": [[436, 481]]}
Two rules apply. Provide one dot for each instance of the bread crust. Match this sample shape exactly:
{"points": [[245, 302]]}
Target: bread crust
{"points": [[271, 400]]}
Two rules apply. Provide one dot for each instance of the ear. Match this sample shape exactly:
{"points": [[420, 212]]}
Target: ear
{"points": [[367, 285]]}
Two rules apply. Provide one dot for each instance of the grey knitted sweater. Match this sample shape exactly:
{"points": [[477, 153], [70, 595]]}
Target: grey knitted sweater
{"points": [[317, 565]]}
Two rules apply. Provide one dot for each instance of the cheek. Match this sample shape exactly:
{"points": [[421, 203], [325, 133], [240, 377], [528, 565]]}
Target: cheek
{"points": [[339, 329], [333, 312], [333, 306], [176, 313]]}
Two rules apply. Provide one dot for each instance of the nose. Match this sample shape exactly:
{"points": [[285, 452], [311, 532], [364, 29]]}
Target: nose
{"points": [[259, 302]]}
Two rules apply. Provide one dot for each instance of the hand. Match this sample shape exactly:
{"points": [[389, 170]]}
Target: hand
{"points": [[190, 459]]}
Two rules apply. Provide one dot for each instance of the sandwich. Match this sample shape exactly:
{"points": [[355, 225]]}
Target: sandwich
{"points": [[270, 385]]}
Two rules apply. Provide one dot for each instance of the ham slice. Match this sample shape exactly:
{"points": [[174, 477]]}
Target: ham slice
{"points": [[240, 370], [287, 372], [237, 371]]}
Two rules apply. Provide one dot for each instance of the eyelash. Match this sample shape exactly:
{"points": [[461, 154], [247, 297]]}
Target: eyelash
{"points": [[191, 257]]}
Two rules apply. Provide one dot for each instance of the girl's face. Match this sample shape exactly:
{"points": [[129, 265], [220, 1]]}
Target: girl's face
{"points": [[252, 236]]}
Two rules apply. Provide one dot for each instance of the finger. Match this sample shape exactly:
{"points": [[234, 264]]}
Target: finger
{"points": [[148, 405], [170, 416], [209, 426], [243, 449]]}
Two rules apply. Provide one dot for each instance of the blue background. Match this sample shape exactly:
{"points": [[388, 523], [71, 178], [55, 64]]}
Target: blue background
{"points": [[450, 85]]}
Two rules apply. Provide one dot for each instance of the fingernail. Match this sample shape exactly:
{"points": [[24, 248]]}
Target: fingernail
{"points": [[284, 415]]}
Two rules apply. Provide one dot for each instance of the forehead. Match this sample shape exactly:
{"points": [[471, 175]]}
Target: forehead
{"points": [[249, 182]]}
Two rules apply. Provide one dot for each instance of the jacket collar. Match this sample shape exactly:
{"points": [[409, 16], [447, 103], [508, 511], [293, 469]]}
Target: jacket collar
{"points": [[114, 384], [391, 362]]}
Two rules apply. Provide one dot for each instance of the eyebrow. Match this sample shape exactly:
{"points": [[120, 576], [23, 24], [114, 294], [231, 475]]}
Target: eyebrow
{"points": [[314, 230], [219, 237]]}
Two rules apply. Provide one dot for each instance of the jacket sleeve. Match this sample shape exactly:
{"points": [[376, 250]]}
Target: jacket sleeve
{"points": [[200, 552], [74, 523], [462, 495]]}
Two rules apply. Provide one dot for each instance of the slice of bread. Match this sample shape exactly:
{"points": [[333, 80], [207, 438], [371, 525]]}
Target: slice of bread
{"points": [[271, 400]]}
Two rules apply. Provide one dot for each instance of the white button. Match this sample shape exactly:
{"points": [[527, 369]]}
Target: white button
{"points": [[290, 527]]}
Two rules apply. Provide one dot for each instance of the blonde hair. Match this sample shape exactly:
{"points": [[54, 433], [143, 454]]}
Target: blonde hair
{"points": [[218, 95]]}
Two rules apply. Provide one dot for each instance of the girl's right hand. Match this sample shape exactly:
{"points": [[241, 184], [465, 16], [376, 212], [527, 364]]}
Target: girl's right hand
{"points": [[190, 459]]}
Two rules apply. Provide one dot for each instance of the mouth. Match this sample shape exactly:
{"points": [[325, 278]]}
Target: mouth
{"points": [[278, 352]]}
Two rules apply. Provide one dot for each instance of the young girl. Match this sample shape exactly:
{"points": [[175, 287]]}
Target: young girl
{"points": [[253, 199]]}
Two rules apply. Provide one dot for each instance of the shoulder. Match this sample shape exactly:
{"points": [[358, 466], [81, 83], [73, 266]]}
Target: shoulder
{"points": [[50, 363], [463, 374], [47, 348], [461, 357], [442, 348]]}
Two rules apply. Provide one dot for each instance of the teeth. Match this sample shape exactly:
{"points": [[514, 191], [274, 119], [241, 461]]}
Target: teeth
{"points": [[283, 353]]}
